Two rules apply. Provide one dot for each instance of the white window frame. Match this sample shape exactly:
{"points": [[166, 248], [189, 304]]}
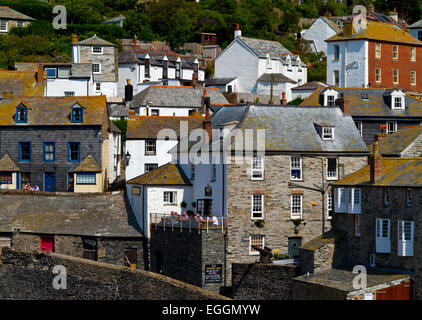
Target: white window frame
{"points": [[254, 212], [336, 52], [97, 86], [294, 166], [359, 126], [6, 25], [394, 123], [255, 253], [413, 54], [397, 103], [405, 246], [326, 168], [378, 75], [378, 50], [329, 205], [413, 78], [383, 243], [395, 52], [331, 100], [336, 74], [169, 202], [257, 168], [354, 200], [20, 23], [96, 47], [328, 133], [396, 76], [99, 68], [340, 200], [294, 204]]}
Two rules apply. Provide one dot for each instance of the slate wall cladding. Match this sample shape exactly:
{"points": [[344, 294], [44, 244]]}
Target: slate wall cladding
{"points": [[110, 250], [88, 136], [185, 254], [372, 128], [360, 248], [108, 61], [278, 223], [29, 276], [262, 281]]}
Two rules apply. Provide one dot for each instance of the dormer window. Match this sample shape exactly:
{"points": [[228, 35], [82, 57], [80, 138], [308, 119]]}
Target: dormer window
{"points": [[330, 97], [21, 114], [147, 67], [397, 100], [327, 133], [77, 114]]}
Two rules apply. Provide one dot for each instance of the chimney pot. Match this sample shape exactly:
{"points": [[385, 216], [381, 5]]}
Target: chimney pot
{"points": [[74, 38], [375, 163], [283, 99], [40, 74], [132, 115], [344, 105], [237, 32]]}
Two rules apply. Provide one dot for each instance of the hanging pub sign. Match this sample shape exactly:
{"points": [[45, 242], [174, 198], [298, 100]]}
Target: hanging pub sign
{"points": [[208, 191], [213, 273]]}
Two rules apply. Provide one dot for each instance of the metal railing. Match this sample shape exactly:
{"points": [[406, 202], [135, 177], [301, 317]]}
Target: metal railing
{"points": [[175, 223]]}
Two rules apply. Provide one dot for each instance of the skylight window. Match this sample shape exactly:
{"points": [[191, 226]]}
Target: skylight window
{"points": [[365, 96]]}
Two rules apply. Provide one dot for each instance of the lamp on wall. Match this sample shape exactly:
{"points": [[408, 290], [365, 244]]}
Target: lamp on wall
{"points": [[127, 158]]}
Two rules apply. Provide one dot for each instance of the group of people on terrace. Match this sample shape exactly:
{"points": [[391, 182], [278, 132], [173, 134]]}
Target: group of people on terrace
{"points": [[211, 219], [28, 187]]}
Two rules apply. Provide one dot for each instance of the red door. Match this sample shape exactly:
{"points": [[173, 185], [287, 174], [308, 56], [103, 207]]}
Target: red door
{"points": [[47, 243], [402, 291]]}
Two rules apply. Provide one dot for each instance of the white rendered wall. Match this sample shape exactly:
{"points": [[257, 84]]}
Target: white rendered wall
{"points": [[319, 32], [57, 87]]}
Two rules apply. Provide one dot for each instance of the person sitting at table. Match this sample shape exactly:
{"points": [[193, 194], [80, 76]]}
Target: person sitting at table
{"points": [[35, 188], [28, 187], [213, 219], [185, 216]]}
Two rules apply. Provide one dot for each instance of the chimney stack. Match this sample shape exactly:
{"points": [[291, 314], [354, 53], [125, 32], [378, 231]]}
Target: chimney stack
{"points": [[283, 99], [375, 163], [132, 115], [207, 122], [7, 95], [135, 41], [344, 105], [371, 9], [237, 32], [348, 29], [394, 15], [128, 91], [40, 74], [74, 38]]}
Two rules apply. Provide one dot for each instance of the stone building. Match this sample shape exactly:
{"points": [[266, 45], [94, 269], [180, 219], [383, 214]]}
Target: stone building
{"points": [[10, 18], [374, 110], [61, 143], [99, 227], [103, 57]]}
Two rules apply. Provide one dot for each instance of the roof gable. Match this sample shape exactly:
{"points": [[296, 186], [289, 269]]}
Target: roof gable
{"points": [[168, 174]]}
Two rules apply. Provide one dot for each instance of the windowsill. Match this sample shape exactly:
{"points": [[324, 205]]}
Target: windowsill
{"points": [[257, 179], [297, 180], [254, 253], [332, 179], [170, 204], [86, 184], [259, 218]]}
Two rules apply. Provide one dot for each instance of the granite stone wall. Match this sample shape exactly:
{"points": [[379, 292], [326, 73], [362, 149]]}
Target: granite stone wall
{"points": [[30, 276]]}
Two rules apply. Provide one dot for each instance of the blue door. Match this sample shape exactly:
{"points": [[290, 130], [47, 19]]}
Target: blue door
{"points": [[49, 185]]}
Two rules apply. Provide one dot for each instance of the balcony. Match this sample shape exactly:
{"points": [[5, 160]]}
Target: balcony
{"points": [[167, 221]]}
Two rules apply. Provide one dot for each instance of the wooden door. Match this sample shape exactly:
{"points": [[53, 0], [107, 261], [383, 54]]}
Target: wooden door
{"points": [[47, 244]]}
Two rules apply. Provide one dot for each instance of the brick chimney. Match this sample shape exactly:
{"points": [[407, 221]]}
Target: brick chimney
{"points": [[135, 41], [207, 122], [74, 38], [371, 9], [283, 99], [348, 29], [237, 32], [394, 15], [40, 74], [7, 94], [375, 163], [132, 115], [344, 105]]}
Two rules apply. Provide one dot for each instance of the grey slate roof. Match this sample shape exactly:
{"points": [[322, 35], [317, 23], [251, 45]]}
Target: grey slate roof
{"points": [[261, 47], [218, 81], [293, 128], [417, 24], [106, 215], [95, 40], [378, 103], [8, 13], [172, 96], [278, 77], [118, 110], [310, 86]]}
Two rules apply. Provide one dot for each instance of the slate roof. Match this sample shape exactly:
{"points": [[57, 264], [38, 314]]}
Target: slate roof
{"points": [[78, 70], [218, 81], [278, 77], [293, 128], [417, 24], [7, 164], [21, 83], [397, 172], [54, 110], [176, 96], [290, 128], [394, 144], [313, 85], [118, 110], [106, 215], [342, 279], [148, 127], [322, 240], [95, 40], [331, 23], [380, 31], [88, 165], [261, 47], [6, 12], [168, 174], [378, 103]]}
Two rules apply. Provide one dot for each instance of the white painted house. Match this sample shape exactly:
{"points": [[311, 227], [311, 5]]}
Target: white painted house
{"points": [[145, 68], [252, 61], [322, 29], [149, 138], [415, 30]]}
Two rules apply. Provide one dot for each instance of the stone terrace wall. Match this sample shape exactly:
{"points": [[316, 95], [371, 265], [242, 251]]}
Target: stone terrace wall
{"points": [[29, 276], [262, 281]]}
